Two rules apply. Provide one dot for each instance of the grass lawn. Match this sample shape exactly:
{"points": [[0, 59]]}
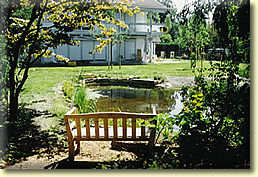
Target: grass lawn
{"points": [[44, 79]]}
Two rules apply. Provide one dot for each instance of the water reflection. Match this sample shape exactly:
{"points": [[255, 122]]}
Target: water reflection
{"points": [[137, 100]]}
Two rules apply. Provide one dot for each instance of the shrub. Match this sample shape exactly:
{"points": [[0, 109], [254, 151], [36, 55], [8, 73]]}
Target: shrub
{"points": [[215, 122], [72, 63]]}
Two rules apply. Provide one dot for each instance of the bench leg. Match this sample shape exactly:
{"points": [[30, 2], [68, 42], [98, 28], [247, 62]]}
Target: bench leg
{"points": [[151, 142], [71, 151], [78, 147]]}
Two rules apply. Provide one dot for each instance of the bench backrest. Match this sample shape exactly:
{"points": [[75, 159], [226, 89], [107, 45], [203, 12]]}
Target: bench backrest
{"points": [[108, 126]]}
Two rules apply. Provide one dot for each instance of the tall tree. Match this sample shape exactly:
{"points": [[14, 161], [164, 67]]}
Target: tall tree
{"points": [[28, 39], [170, 19], [193, 29], [232, 23]]}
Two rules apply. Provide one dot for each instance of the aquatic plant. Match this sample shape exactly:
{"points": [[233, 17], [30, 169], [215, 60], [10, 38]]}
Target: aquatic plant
{"points": [[85, 100]]}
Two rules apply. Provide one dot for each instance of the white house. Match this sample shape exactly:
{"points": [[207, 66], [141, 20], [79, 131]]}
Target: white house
{"points": [[137, 49]]}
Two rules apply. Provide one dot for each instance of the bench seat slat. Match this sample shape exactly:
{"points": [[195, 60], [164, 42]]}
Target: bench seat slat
{"points": [[112, 139], [134, 128], [115, 128], [96, 122], [124, 123], [78, 124], [110, 132], [87, 126], [143, 129], [106, 128]]}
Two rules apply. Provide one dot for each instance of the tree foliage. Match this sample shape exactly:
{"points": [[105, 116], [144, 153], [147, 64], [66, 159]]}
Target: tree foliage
{"points": [[194, 28], [232, 23], [170, 19], [215, 124]]}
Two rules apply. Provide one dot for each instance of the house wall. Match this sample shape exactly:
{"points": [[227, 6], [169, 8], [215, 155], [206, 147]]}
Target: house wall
{"points": [[141, 19], [140, 45], [130, 48], [87, 46], [78, 53]]}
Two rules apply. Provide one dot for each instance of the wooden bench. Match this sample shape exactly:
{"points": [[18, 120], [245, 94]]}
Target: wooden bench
{"points": [[107, 126]]}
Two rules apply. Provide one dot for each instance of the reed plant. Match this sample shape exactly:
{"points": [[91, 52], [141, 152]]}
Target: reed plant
{"points": [[85, 100]]}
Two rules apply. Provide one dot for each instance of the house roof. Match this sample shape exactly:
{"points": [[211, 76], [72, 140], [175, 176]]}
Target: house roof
{"points": [[148, 4]]}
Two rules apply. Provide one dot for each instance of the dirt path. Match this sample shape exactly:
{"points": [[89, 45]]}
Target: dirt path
{"points": [[177, 82], [92, 155]]}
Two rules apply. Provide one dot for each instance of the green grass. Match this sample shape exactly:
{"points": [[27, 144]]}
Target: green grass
{"points": [[44, 79], [144, 71]]}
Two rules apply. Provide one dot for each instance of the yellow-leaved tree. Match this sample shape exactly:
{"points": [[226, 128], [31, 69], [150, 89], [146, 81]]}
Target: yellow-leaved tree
{"points": [[28, 39]]}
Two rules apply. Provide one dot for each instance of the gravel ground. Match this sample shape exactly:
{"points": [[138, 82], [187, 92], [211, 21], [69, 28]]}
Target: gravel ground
{"points": [[177, 82], [91, 153]]}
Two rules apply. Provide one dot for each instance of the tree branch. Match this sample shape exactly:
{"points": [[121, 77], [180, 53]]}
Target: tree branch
{"points": [[31, 63], [26, 30], [32, 48]]}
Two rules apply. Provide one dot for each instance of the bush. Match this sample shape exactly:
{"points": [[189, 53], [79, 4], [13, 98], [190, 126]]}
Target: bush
{"points": [[72, 63], [215, 122]]}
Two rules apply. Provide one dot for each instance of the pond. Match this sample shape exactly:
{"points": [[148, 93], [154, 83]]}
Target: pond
{"points": [[126, 99]]}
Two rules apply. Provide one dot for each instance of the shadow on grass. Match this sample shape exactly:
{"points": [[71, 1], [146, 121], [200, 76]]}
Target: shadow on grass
{"points": [[24, 138]]}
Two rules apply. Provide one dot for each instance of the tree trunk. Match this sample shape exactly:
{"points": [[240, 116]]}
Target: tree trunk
{"points": [[13, 104], [120, 62], [111, 58], [13, 107], [108, 58]]}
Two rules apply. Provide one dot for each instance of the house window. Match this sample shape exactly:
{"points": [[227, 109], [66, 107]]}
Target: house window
{"points": [[130, 49], [87, 46], [75, 52]]}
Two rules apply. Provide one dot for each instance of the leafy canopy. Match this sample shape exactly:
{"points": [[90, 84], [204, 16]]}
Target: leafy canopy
{"points": [[26, 29]]}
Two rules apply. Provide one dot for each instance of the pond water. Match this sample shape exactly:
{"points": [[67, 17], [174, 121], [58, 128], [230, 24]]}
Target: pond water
{"points": [[127, 99]]}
